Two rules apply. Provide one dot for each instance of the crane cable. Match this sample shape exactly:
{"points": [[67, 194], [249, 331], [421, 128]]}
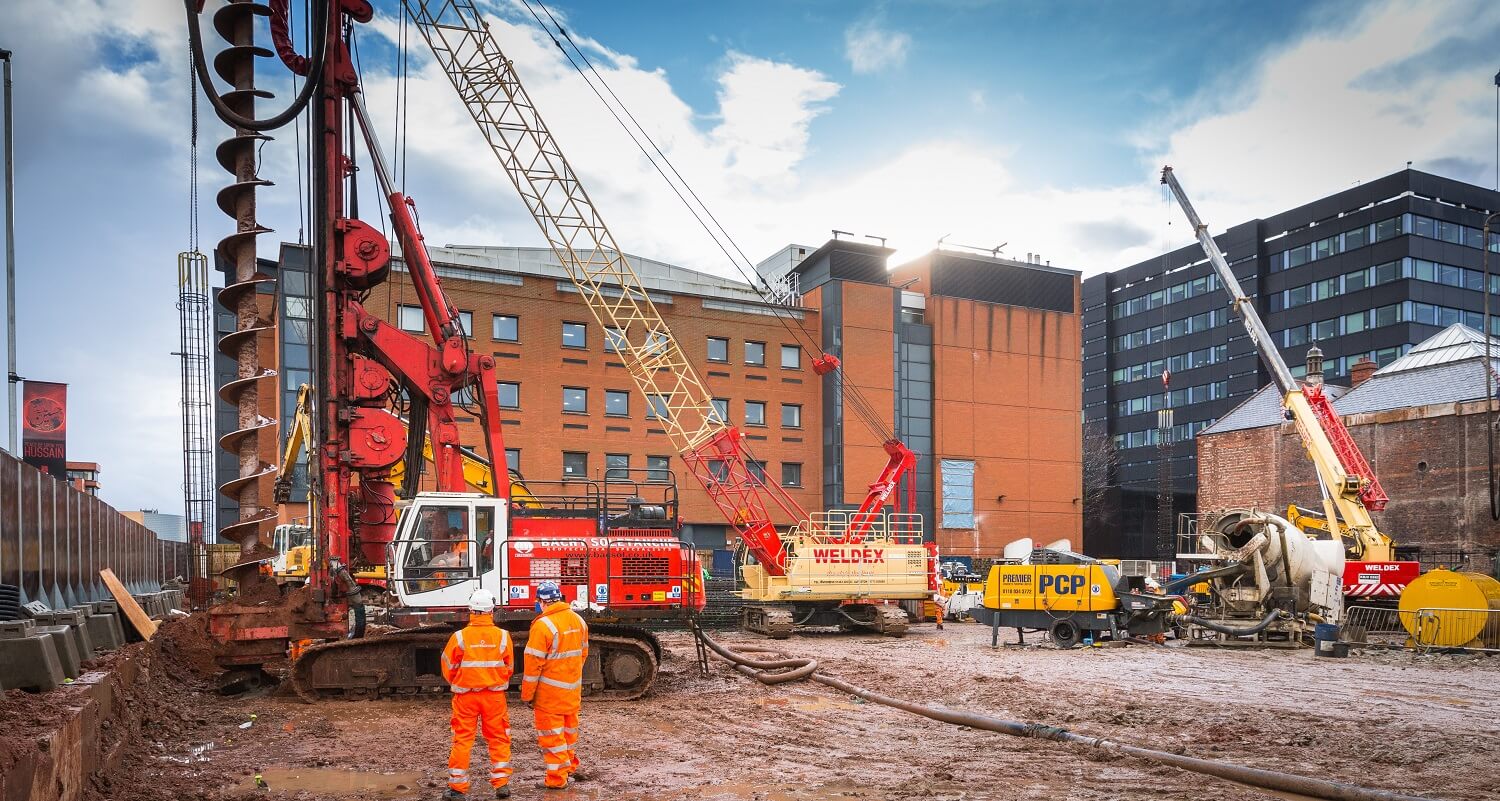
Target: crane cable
{"points": [[321, 20], [851, 391]]}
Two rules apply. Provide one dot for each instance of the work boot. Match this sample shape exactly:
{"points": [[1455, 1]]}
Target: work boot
{"points": [[453, 795], [503, 791]]}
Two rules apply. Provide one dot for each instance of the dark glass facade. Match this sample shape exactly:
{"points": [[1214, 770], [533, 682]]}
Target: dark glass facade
{"points": [[1369, 271]]}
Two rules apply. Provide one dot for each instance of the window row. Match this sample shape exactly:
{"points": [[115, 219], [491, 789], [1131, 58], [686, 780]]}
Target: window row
{"points": [[1187, 325], [1161, 297], [1414, 224], [507, 328], [617, 467], [1178, 398], [575, 400], [1418, 269], [1342, 365], [1408, 311], [1177, 363], [1152, 436]]}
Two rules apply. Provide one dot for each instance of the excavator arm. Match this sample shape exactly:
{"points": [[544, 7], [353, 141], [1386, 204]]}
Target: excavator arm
{"points": [[301, 437]]}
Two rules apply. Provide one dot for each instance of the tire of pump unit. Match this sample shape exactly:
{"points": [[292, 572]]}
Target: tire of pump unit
{"points": [[1065, 633]]}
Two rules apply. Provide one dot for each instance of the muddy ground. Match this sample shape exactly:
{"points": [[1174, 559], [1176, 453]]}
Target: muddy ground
{"points": [[1427, 725]]}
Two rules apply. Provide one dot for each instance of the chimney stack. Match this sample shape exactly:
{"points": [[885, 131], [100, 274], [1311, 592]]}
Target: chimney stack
{"points": [[1361, 370]]}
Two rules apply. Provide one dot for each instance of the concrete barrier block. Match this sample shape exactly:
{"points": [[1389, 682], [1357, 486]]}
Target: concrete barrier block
{"points": [[104, 629], [67, 652], [28, 659], [78, 629]]}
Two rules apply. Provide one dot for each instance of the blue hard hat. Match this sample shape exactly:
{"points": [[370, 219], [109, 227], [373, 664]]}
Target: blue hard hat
{"points": [[549, 591]]}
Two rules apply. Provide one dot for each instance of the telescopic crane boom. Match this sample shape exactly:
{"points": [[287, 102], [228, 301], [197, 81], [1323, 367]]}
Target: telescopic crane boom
{"points": [[1350, 488]]}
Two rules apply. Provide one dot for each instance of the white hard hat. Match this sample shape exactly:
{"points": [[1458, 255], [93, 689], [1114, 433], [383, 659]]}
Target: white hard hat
{"points": [[482, 601]]}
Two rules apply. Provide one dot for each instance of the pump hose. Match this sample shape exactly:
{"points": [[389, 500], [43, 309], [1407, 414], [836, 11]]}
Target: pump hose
{"points": [[777, 668], [1234, 631]]}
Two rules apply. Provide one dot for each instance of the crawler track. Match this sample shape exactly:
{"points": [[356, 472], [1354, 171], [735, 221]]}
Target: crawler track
{"points": [[623, 663]]}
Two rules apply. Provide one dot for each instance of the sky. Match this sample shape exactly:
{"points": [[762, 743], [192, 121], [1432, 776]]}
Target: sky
{"points": [[1039, 125]]}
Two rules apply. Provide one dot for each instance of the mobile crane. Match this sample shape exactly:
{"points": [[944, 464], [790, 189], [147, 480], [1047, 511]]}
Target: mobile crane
{"points": [[1349, 486], [830, 568], [618, 557]]}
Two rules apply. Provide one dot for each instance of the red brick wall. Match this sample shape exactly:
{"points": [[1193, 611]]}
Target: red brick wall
{"points": [[537, 363], [1431, 460]]}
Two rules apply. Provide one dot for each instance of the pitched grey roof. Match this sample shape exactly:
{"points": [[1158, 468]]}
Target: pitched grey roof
{"points": [[1261, 409], [1445, 368]]}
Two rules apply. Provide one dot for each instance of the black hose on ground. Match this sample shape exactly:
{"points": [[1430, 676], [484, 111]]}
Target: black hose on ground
{"points": [[1235, 631], [791, 669]]}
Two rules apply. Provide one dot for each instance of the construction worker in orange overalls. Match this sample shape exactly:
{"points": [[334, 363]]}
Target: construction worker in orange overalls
{"points": [[553, 681], [478, 663]]}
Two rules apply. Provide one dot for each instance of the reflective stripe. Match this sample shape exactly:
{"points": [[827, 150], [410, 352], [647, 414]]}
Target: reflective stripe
{"points": [[499, 765], [561, 766], [563, 684], [446, 664], [458, 689], [535, 652], [459, 637], [566, 654], [469, 663], [545, 732], [530, 679], [570, 729], [557, 749], [457, 773], [498, 688], [550, 625]]}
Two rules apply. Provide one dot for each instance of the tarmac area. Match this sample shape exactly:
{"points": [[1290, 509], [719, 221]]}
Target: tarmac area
{"points": [[1424, 725]]}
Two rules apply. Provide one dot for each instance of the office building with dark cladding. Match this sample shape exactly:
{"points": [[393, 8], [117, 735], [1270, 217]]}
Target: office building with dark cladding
{"points": [[1366, 272]]}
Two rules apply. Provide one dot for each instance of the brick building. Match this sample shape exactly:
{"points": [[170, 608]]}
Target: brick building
{"points": [[973, 362], [1420, 421]]}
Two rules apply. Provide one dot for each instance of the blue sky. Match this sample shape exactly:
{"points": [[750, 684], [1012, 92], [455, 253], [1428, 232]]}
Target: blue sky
{"points": [[1041, 124]]}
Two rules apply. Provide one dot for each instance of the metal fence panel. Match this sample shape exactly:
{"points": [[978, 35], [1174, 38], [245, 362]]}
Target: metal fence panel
{"points": [[54, 540]]}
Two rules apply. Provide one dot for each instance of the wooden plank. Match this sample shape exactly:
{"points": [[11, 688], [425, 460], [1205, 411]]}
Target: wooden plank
{"points": [[138, 617]]}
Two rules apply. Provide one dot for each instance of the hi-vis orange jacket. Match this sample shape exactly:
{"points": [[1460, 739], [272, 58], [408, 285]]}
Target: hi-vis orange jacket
{"points": [[554, 656], [478, 657]]}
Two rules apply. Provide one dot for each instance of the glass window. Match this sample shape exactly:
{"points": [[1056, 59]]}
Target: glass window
{"points": [[616, 403], [1325, 329], [1355, 281], [1449, 275], [1356, 322], [1422, 226], [1424, 313], [791, 415], [1387, 315], [656, 408], [574, 335], [755, 413], [1450, 232], [721, 409], [440, 556], [613, 339], [658, 468], [409, 318], [718, 349], [757, 469], [718, 469], [617, 466], [575, 465], [1355, 238], [755, 353], [1386, 273], [791, 474], [958, 494], [505, 328], [656, 343], [300, 308], [508, 394], [466, 321], [464, 396], [513, 459], [791, 357], [575, 400], [1387, 229]]}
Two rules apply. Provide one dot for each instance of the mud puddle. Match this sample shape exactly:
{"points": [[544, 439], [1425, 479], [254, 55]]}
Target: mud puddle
{"points": [[322, 782]]}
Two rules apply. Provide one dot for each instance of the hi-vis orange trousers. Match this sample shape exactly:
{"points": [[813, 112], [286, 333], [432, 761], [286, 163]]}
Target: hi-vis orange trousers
{"points": [[557, 735], [470, 709]]}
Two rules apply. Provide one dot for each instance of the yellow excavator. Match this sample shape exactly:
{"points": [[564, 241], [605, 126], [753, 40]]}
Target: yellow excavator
{"points": [[293, 541]]}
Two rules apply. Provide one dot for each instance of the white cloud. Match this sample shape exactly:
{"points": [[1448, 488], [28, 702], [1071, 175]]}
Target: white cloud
{"points": [[1354, 101], [977, 100], [871, 48]]}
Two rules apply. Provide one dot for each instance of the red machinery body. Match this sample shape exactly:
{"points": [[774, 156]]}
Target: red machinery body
{"points": [[1364, 580]]}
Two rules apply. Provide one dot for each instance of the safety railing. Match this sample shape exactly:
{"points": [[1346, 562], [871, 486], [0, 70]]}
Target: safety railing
{"points": [[1424, 629], [901, 528]]}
